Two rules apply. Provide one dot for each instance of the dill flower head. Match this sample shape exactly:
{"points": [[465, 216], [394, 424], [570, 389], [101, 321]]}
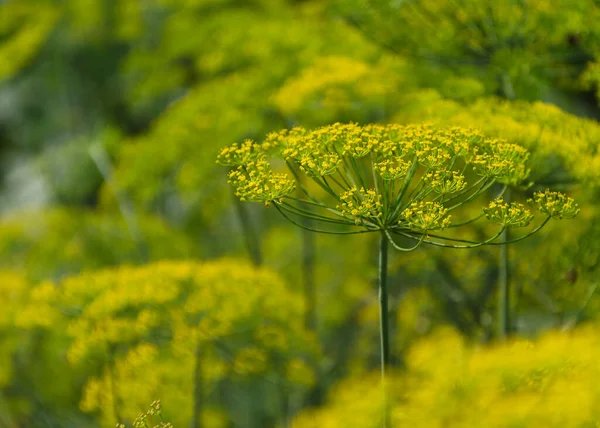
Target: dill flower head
{"points": [[425, 216], [403, 179], [555, 204], [508, 215], [256, 182], [392, 169], [360, 204], [238, 154], [444, 182]]}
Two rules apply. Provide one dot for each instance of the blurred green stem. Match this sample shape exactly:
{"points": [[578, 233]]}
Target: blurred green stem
{"points": [[250, 236], [308, 267], [504, 283], [384, 322], [101, 158], [113, 384], [198, 392]]}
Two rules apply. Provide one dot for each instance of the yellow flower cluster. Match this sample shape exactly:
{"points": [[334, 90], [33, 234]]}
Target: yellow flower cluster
{"points": [[145, 325], [445, 182], [360, 204], [359, 166], [392, 169], [555, 204], [551, 381], [425, 216], [551, 135], [508, 215], [256, 182], [335, 87], [236, 155]]}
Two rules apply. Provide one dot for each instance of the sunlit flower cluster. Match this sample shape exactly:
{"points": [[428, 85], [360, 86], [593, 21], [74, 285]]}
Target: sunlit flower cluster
{"points": [[256, 182], [335, 87], [445, 182], [154, 318], [425, 216], [512, 214], [360, 204], [551, 381], [555, 204], [405, 179]]}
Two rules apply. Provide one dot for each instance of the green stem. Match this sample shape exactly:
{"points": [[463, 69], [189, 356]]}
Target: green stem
{"points": [[113, 384], [384, 322], [308, 265], [250, 238], [198, 393], [504, 284]]}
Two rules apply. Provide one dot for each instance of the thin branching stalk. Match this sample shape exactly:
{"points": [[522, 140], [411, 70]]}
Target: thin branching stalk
{"points": [[308, 270], [250, 238], [198, 390], [112, 374], [101, 159], [504, 284]]}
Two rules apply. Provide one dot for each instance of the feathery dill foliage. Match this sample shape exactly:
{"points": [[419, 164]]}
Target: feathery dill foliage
{"points": [[514, 47], [145, 328], [405, 180], [551, 381]]}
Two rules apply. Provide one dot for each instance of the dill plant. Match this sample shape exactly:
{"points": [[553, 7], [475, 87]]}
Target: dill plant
{"points": [[155, 330], [406, 183]]}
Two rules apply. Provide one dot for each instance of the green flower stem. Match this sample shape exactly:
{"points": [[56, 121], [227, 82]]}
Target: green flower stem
{"points": [[399, 248], [101, 159], [504, 284], [330, 232], [473, 220], [323, 206], [503, 289], [113, 383], [479, 244], [407, 179], [359, 172], [418, 188], [322, 181], [308, 267], [482, 189], [384, 321], [480, 182], [198, 390], [345, 178], [300, 185], [250, 238], [308, 271], [301, 212]]}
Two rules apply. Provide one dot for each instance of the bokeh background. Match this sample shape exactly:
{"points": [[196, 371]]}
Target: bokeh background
{"points": [[130, 273]]}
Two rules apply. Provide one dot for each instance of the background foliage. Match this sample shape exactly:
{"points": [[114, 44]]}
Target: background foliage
{"points": [[130, 273]]}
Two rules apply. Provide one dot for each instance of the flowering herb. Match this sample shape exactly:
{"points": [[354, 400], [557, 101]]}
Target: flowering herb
{"points": [[398, 181]]}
